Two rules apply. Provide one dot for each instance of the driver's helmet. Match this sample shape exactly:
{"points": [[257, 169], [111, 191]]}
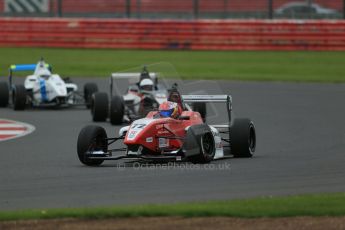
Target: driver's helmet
{"points": [[169, 109], [44, 73], [146, 85], [175, 96]]}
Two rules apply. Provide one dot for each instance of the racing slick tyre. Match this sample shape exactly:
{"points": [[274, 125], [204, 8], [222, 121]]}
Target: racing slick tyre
{"points": [[199, 144], [201, 108], [4, 94], [89, 89], [99, 106], [117, 109], [91, 138], [242, 138], [19, 97]]}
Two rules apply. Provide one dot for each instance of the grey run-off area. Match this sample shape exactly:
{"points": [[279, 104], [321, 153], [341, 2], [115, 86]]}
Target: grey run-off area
{"points": [[300, 149]]}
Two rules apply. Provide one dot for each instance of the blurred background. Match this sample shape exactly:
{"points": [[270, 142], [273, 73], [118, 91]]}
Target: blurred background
{"points": [[176, 9], [160, 25]]}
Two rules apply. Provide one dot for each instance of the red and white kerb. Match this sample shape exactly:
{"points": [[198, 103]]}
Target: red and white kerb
{"points": [[12, 129]]}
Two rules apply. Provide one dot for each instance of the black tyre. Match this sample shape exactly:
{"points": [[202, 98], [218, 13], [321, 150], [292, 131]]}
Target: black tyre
{"points": [[91, 138], [89, 89], [99, 106], [201, 108], [199, 144], [117, 109], [4, 94], [19, 97], [242, 138]]}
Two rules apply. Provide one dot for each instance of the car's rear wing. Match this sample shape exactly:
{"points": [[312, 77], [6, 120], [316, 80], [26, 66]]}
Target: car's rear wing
{"points": [[131, 77], [210, 99], [23, 67], [206, 98]]}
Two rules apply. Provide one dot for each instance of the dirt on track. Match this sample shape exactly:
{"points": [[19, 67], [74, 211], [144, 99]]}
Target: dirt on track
{"points": [[167, 223]]}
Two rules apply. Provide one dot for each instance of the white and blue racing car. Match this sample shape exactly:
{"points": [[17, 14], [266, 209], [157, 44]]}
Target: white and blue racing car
{"points": [[43, 88]]}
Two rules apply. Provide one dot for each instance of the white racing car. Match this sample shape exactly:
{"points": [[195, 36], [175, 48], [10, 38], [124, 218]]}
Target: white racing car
{"points": [[43, 88], [144, 94]]}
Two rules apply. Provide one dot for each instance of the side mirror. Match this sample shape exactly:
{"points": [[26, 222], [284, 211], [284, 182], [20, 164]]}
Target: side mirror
{"points": [[184, 118]]}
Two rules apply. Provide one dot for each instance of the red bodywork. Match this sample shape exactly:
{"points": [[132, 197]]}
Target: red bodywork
{"points": [[160, 135]]}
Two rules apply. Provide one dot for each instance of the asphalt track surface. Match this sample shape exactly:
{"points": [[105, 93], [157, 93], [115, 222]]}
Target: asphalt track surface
{"points": [[300, 149]]}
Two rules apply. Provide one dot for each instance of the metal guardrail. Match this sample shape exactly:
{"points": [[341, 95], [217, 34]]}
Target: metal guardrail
{"points": [[177, 9]]}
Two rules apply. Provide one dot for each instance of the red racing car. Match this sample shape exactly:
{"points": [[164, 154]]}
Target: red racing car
{"points": [[184, 138]]}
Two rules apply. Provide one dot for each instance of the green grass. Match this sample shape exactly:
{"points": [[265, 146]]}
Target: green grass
{"points": [[305, 205], [245, 65]]}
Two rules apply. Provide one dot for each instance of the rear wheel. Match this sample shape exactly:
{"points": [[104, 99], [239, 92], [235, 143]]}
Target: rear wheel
{"points": [[19, 97], [99, 106], [4, 94], [201, 108], [242, 138], [89, 89], [91, 138], [117, 109]]}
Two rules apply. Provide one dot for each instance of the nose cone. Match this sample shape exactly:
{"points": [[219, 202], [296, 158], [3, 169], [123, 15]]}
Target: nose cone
{"points": [[56, 85], [139, 130]]}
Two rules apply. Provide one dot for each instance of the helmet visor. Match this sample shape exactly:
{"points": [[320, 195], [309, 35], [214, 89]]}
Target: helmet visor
{"points": [[166, 113], [147, 87]]}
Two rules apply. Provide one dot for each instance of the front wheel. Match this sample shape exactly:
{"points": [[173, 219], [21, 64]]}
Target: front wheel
{"points": [[242, 138], [89, 89], [99, 106], [200, 144], [91, 138], [4, 94], [117, 109], [19, 97]]}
